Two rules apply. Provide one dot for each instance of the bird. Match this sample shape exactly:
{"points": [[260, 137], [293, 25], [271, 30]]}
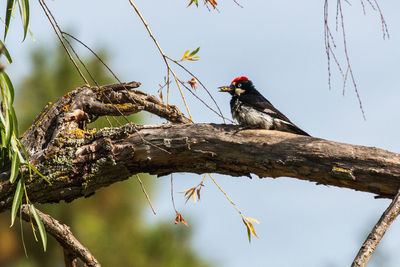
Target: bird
{"points": [[252, 110]]}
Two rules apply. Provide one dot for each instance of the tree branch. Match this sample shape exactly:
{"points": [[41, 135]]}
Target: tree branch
{"points": [[377, 233], [72, 247], [80, 161]]}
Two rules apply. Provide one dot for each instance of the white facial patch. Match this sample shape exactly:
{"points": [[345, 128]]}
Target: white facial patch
{"points": [[239, 91]]}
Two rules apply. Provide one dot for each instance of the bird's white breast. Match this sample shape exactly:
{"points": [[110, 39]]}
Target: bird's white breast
{"points": [[251, 117]]}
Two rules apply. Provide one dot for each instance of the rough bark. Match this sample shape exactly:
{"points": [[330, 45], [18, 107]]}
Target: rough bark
{"points": [[79, 161]]}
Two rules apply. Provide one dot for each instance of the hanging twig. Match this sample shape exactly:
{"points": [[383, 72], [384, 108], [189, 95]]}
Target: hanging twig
{"points": [[145, 193]]}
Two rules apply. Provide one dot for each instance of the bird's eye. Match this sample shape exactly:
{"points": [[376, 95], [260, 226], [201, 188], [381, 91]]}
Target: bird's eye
{"points": [[239, 85]]}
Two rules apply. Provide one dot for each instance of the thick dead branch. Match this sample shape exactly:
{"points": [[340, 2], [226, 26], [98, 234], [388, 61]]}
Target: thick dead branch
{"points": [[80, 161], [72, 247], [85, 104], [377, 233], [80, 164]]}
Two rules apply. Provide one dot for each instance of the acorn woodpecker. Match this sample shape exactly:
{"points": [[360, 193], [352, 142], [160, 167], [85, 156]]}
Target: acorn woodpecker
{"points": [[253, 110]]}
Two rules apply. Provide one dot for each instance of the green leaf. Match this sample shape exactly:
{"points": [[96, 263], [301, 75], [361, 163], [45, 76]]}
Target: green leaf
{"points": [[193, 1], [39, 223], [10, 5], [15, 121], [8, 86], [22, 159], [25, 16], [8, 128], [16, 201], [41, 175], [3, 154], [5, 52], [14, 167], [22, 231], [194, 52], [3, 122]]}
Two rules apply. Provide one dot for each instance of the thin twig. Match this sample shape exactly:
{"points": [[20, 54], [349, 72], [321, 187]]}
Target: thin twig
{"points": [[115, 76], [237, 3], [372, 5], [226, 195], [55, 26], [172, 192], [330, 52], [348, 60], [61, 37], [204, 103], [377, 233], [208, 92], [163, 56], [363, 6], [145, 193], [94, 53], [385, 30]]}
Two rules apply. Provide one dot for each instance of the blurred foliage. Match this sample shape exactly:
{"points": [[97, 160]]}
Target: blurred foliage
{"points": [[111, 222]]}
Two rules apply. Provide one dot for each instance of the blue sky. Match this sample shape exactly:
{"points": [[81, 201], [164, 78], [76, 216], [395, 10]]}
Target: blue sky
{"points": [[280, 46]]}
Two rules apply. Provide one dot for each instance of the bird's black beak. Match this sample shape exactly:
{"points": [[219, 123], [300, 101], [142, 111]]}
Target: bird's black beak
{"points": [[225, 88]]}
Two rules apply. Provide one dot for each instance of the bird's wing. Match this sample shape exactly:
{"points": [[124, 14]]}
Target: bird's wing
{"points": [[261, 104]]}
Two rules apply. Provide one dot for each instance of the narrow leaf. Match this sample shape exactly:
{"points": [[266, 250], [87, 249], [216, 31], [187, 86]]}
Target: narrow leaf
{"points": [[248, 234], [25, 16], [193, 1], [22, 231], [8, 127], [252, 230], [185, 54], [15, 121], [10, 5], [16, 201], [194, 198], [252, 220], [39, 223], [5, 52], [14, 167], [41, 175], [194, 52], [198, 193], [193, 58], [3, 122], [8, 86], [213, 3]]}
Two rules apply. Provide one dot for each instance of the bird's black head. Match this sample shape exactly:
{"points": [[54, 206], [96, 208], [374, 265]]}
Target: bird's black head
{"points": [[239, 86]]}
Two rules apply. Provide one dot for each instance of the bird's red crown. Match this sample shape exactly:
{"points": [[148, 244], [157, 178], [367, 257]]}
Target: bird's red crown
{"points": [[241, 78]]}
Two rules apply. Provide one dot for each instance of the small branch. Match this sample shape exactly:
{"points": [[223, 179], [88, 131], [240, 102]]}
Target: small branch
{"points": [[69, 259], [377, 233], [61, 232]]}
